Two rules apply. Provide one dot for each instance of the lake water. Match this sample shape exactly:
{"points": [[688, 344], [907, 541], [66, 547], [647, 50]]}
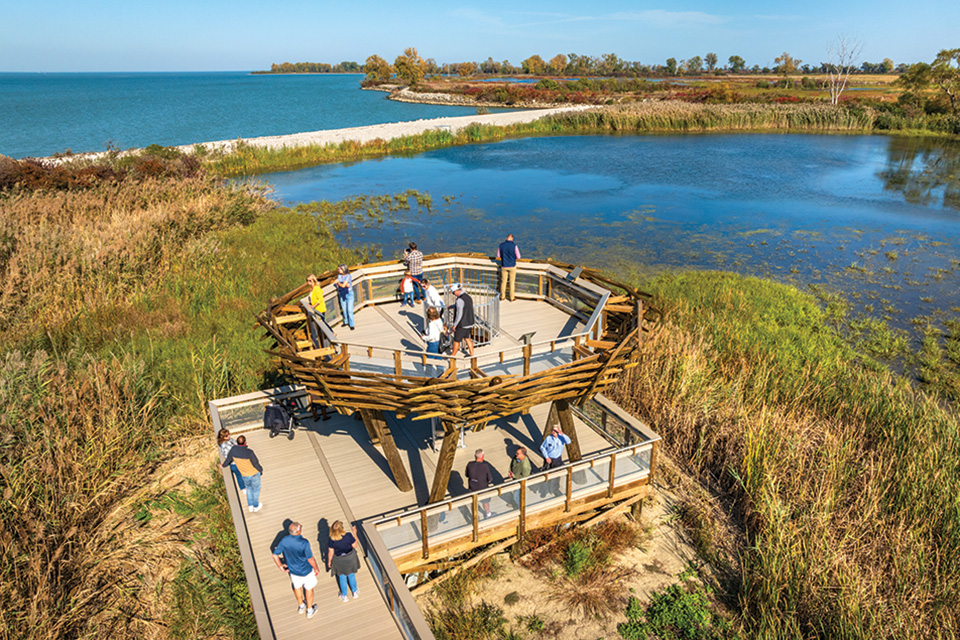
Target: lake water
{"points": [[42, 114], [876, 217]]}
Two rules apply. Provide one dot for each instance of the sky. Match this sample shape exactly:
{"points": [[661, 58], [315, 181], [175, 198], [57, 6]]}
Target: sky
{"points": [[213, 35]]}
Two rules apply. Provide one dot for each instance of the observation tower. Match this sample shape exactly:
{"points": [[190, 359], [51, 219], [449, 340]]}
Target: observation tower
{"points": [[567, 336]]}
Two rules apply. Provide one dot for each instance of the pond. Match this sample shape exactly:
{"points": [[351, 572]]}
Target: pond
{"points": [[875, 217]]}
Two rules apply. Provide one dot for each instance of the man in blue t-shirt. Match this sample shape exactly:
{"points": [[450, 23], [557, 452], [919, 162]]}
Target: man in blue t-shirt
{"points": [[300, 565], [508, 253]]}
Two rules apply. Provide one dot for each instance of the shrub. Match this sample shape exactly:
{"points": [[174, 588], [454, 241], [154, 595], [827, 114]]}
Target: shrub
{"points": [[673, 614]]}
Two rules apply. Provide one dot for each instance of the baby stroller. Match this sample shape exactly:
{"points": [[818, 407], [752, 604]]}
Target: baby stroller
{"points": [[280, 417]]}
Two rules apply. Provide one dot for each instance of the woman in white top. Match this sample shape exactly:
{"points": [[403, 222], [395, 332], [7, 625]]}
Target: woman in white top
{"points": [[434, 329]]}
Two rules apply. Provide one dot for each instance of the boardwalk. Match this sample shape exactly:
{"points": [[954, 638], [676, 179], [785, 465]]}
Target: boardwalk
{"points": [[330, 471]]}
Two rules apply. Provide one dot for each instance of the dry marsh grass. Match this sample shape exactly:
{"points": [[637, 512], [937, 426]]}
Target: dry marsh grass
{"points": [[843, 475], [63, 251]]}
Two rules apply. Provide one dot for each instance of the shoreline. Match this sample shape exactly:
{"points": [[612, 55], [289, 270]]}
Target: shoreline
{"points": [[367, 133]]}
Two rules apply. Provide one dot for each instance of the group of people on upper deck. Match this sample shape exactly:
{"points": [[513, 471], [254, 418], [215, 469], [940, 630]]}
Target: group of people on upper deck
{"points": [[414, 288]]}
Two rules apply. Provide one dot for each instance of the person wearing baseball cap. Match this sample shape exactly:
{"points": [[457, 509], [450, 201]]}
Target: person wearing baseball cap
{"points": [[463, 319]]}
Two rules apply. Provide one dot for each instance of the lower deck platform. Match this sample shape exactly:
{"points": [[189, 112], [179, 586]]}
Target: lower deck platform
{"points": [[330, 471]]}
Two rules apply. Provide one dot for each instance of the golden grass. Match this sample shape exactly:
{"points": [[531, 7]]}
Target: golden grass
{"points": [[844, 477]]}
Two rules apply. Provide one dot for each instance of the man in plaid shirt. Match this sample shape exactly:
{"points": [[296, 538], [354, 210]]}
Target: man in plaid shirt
{"points": [[414, 259]]}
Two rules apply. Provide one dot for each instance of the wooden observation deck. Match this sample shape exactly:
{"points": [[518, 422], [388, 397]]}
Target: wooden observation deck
{"points": [[581, 331], [390, 468]]}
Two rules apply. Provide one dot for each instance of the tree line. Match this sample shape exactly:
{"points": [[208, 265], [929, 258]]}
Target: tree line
{"points": [[314, 67], [608, 65]]}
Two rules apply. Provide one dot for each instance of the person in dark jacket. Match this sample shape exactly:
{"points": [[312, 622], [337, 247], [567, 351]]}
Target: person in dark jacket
{"points": [[463, 319], [508, 252], [250, 468], [480, 476]]}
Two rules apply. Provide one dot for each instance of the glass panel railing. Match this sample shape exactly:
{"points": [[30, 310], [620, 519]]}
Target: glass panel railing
{"points": [[528, 283], [384, 287], [454, 518], [544, 489], [630, 464], [496, 505], [246, 415], [397, 536], [589, 478]]}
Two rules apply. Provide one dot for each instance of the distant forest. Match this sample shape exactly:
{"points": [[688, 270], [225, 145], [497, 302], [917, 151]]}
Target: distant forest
{"points": [[315, 67], [607, 65]]}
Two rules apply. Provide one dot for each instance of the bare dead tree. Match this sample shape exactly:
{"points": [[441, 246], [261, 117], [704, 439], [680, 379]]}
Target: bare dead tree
{"points": [[842, 56]]}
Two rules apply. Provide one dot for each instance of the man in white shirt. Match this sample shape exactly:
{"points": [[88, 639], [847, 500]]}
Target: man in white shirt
{"points": [[432, 296]]}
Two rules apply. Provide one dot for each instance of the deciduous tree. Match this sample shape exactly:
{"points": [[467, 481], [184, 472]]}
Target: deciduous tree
{"points": [[694, 64], [377, 69], [786, 64], [842, 55], [558, 64], [409, 66], [534, 65], [945, 71], [737, 64], [711, 59], [467, 68], [671, 65]]}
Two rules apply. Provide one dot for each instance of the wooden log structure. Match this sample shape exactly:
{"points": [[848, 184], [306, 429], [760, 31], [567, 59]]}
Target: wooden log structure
{"points": [[611, 347]]}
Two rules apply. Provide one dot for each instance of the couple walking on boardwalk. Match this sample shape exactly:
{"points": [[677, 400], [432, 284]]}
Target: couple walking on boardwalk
{"points": [[294, 556]]}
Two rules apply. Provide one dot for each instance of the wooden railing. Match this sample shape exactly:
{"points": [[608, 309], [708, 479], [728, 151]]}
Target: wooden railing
{"points": [[419, 537], [374, 285]]}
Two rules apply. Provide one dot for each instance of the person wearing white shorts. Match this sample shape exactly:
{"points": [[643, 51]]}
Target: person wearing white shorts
{"points": [[299, 562]]}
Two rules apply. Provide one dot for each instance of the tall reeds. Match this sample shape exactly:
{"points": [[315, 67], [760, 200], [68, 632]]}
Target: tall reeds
{"points": [[843, 475]]}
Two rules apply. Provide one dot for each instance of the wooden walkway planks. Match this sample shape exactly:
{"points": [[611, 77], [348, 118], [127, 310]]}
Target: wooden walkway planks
{"points": [[295, 488], [516, 319]]}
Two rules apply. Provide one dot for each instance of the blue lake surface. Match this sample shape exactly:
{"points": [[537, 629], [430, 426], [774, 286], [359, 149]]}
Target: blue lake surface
{"points": [[874, 215], [45, 113]]}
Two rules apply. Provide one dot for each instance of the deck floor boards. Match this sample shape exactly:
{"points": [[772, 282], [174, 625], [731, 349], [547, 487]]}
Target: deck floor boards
{"points": [[297, 486]]}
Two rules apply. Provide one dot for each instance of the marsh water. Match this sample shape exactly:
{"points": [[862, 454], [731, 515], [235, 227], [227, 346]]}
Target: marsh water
{"points": [[877, 218]]}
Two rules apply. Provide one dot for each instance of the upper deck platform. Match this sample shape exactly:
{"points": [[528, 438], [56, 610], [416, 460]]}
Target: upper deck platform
{"points": [[582, 330]]}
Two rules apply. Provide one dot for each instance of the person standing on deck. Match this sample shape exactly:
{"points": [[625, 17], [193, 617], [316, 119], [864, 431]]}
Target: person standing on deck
{"points": [[414, 259], [480, 476], [249, 466], [342, 558], [431, 296], [318, 306], [224, 444], [508, 253], [520, 468], [552, 448], [344, 286], [463, 319], [407, 288], [301, 566]]}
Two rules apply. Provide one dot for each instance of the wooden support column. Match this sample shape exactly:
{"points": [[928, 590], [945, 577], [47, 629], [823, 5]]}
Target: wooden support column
{"points": [[560, 413], [444, 466], [374, 420]]}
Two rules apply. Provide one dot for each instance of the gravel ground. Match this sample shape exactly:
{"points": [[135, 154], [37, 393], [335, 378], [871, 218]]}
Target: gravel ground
{"points": [[388, 131]]}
